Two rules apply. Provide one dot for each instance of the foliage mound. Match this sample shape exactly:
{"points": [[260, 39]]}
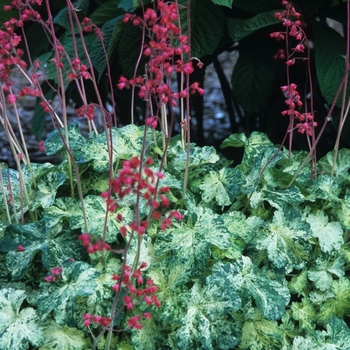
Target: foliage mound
{"points": [[254, 263]]}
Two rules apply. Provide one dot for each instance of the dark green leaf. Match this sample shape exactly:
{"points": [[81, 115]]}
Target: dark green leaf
{"points": [[329, 60], [227, 3], [96, 51], [257, 6], [239, 28], [62, 18], [208, 22], [254, 74]]}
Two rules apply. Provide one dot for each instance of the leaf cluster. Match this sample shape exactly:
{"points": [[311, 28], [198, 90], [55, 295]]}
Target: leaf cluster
{"points": [[255, 263]]}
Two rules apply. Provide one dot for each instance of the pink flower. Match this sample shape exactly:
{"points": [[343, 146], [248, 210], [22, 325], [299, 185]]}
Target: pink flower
{"points": [[11, 98]]}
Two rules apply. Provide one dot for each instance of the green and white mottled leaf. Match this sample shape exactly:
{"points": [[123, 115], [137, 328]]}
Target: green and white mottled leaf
{"points": [[62, 337], [95, 209], [150, 337], [282, 198], [305, 313], [327, 187], [329, 234], [339, 303], [322, 270], [286, 241], [259, 333], [235, 140], [207, 324], [270, 296], [221, 186], [341, 166], [336, 337], [342, 213], [127, 143], [18, 328], [48, 180], [189, 241], [55, 245], [54, 143], [199, 156], [79, 280]]}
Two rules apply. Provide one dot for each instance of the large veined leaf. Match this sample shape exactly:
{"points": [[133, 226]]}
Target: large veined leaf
{"points": [[129, 47], [96, 51], [330, 60], [55, 245], [254, 74], [257, 6], [227, 3], [329, 234], [286, 241], [189, 241], [62, 337], [18, 328], [239, 28], [78, 280], [70, 45], [62, 18], [270, 296], [207, 22]]}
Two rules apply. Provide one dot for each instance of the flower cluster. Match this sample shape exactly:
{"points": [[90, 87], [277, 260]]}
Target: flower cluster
{"points": [[86, 110], [97, 246], [307, 123], [99, 320], [165, 50], [141, 181], [135, 295], [293, 29], [290, 19], [78, 70], [56, 272]]}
